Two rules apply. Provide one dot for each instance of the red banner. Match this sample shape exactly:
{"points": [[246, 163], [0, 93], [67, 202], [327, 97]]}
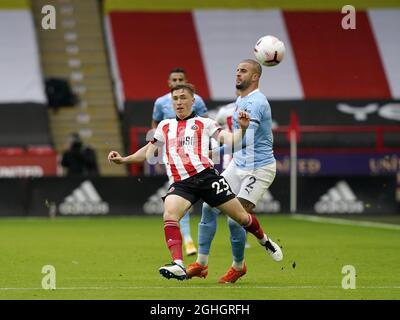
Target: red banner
{"points": [[28, 165]]}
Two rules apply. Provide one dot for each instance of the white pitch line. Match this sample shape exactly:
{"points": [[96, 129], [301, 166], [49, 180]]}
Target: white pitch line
{"points": [[368, 224], [198, 287]]}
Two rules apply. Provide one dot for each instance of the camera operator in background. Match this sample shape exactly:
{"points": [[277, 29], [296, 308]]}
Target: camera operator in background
{"points": [[79, 159]]}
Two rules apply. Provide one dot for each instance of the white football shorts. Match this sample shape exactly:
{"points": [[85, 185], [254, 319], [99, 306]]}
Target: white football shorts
{"points": [[250, 184]]}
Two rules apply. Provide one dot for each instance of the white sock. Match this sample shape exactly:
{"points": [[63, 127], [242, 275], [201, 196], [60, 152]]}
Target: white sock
{"points": [[202, 259], [238, 265], [263, 240], [180, 262]]}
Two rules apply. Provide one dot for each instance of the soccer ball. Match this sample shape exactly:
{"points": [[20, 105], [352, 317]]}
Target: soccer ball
{"points": [[269, 51]]}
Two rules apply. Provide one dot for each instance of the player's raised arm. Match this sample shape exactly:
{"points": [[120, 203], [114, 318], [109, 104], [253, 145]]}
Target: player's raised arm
{"points": [[235, 138], [137, 157]]}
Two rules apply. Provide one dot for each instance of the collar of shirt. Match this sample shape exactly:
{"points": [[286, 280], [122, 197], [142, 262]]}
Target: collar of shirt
{"points": [[254, 91], [192, 115]]}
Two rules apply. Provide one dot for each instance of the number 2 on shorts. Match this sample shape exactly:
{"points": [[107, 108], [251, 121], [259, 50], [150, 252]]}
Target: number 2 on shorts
{"points": [[250, 187]]}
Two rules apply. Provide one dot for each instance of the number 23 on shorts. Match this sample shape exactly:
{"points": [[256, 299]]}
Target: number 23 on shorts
{"points": [[220, 186]]}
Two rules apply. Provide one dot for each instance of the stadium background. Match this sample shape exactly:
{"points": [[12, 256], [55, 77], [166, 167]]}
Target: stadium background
{"points": [[343, 85]]}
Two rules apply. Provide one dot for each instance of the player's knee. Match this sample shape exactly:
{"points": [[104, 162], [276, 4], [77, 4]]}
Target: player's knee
{"points": [[243, 220], [169, 215], [240, 216]]}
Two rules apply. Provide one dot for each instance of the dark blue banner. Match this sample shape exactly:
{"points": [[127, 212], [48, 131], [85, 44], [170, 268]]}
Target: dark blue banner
{"points": [[342, 164]]}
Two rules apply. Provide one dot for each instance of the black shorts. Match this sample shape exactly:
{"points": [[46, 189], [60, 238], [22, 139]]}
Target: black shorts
{"points": [[207, 185]]}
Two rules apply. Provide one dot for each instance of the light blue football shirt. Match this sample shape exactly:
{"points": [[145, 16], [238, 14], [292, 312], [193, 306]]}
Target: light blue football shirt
{"points": [[163, 108], [258, 141]]}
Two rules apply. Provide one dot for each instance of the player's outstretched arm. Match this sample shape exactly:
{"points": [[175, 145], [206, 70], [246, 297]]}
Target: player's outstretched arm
{"points": [[235, 138], [137, 157]]}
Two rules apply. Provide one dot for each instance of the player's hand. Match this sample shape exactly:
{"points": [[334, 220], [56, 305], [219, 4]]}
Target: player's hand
{"points": [[115, 157], [243, 119]]}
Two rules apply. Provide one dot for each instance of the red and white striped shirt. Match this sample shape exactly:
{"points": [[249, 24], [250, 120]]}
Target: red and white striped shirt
{"points": [[186, 145]]}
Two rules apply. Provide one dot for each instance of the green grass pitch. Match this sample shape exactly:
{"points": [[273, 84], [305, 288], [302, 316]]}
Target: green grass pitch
{"points": [[118, 258]]}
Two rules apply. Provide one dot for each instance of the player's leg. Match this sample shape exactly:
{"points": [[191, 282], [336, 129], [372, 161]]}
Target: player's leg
{"points": [[207, 229], [208, 226], [249, 222], [253, 186], [175, 207], [238, 237], [233, 209], [237, 233], [187, 237], [238, 242], [217, 193]]}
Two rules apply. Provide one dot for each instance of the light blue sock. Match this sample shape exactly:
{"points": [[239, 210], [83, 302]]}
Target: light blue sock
{"points": [[185, 227], [207, 228], [238, 240]]}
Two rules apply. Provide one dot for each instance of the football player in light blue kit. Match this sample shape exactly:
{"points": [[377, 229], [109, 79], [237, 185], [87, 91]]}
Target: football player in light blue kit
{"points": [[249, 174], [163, 110]]}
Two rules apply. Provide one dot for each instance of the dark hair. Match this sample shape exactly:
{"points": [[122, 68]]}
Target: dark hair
{"points": [[185, 86], [179, 70]]}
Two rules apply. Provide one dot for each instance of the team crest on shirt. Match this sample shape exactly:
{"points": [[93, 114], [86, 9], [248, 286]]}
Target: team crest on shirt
{"points": [[195, 127], [171, 189]]}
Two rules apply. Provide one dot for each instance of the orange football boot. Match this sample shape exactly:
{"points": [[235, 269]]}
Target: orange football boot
{"points": [[196, 270], [232, 275]]}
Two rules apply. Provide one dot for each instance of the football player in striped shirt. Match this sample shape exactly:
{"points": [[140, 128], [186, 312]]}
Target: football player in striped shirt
{"points": [[163, 110], [185, 142]]}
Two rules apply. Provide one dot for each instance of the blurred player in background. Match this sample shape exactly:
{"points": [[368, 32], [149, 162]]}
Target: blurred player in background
{"points": [[163, 106], [163, 110], [249, 174], [185, 141]]}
